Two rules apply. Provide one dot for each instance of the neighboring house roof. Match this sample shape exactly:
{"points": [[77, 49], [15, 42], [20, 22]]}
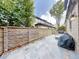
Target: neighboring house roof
{"points": [[43, 22], [40, 24]]}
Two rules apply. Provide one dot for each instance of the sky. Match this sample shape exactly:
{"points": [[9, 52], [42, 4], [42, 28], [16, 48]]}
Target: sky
{"points": [[42, 8], [48, 17]]}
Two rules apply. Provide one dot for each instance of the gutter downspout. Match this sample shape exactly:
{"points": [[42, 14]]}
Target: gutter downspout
{"points": [[67, 10]]}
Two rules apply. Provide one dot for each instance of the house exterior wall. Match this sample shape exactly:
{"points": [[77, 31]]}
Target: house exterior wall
{"points": [[41, 23], [73, 25]]}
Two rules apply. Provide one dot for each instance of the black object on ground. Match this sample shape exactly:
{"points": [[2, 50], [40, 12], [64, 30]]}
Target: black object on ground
{"points": [[66, 41]]}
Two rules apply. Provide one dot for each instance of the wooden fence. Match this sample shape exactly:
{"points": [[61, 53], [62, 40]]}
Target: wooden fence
{"points": [[13, 37]]}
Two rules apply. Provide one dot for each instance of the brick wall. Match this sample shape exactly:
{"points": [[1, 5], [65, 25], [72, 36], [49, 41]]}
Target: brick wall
{"points": [[13, 37]]}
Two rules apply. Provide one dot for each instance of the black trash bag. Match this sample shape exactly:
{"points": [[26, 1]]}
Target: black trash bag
{"points": [[66, 41]]}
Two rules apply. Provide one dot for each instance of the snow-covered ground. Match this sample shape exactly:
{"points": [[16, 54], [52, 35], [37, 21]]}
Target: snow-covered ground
{"points": [[45, 48]]}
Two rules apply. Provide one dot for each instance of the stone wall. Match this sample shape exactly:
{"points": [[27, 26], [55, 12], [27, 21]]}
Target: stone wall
{"points": [[13, 37]]}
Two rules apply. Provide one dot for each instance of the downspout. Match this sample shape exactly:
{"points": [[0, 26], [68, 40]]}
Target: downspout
{"points": [[66, 17], [67, 10]]}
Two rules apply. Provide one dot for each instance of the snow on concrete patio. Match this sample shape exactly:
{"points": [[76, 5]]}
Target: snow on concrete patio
{"points": [[46, 48]]}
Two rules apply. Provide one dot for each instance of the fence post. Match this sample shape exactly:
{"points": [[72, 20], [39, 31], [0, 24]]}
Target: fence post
{"points": [[28, 35], [5, 39]]}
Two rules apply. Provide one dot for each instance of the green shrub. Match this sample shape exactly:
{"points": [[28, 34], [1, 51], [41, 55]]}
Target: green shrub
{"points": [[16, 13], [61, 28]]}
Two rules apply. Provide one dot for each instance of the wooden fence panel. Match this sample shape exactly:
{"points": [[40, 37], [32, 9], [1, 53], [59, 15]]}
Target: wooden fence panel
{"points": [[12, 37], [1, 41]]}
